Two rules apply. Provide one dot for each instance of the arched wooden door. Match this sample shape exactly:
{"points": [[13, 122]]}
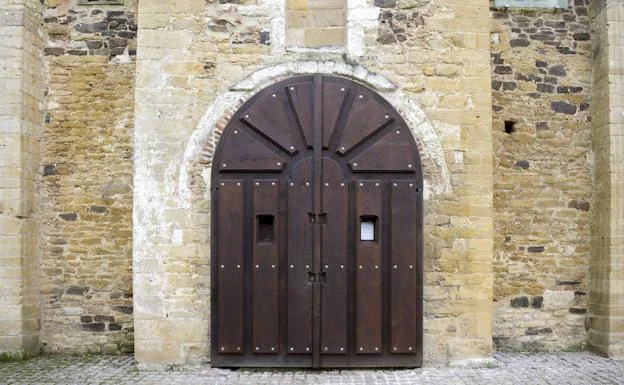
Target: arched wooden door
{"points": [[317, 236]]}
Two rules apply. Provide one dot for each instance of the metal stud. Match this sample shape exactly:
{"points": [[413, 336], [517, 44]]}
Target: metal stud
{"points": [[279, 163], [291, 184], [361, 267], [307, 266], [377, 184], [410, 348], [274, 95], [361, 184], [257, 266], [354, 164], [273, 184], [376, 349], [395, 266], [235, 132], [222, 184], [395, 184], [411, 266], [272, 349], [394, 348], [376, 266], [341, 184], [257, 183], [292, 266], [361, 96], [326, 184], [292, 148], [307, 349], [224, 165], [272, 266], [342, 349], [246, 116], [223, 266], [238, 348], [411, 184], [342, 266], [257, 348], [327, 266], [398, 132], [222, 348], [326, 348], [342, 90], [387, 116], [238, 183], [361, 349], [409, 166], [238, 266], [342, 148], [292, 88], [292, 349]]}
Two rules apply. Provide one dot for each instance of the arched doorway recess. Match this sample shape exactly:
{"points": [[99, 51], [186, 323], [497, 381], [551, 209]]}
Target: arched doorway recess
{"points": [[317, 236]]}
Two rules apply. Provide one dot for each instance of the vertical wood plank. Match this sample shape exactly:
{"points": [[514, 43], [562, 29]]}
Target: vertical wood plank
{"points": [[299, 318], [335, 260], [369, 270], [230, 267], [403, 274], [265, 270]]}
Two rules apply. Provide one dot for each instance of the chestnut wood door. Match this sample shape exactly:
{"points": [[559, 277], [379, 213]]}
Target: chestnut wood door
{"points": [[317, 231]]}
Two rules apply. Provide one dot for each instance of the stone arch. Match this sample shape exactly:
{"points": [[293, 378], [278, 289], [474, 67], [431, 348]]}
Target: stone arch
{"points": [[203, 142]]}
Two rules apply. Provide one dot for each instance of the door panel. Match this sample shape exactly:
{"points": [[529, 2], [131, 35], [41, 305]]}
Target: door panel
{"points": [[317, 231], [335, 263], [404, 262], [265, 267], [231, 265], [368, 260], [299, 317]]}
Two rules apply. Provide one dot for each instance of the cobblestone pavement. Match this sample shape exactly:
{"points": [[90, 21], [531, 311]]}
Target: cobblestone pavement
{"points": [[560, 369]]}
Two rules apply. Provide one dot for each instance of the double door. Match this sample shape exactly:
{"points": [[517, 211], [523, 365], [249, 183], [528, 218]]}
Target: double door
{"points": [[317, 240]]}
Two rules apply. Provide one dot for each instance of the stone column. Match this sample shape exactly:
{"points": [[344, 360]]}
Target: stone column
{"points": [[20, 125], [606, 332]]}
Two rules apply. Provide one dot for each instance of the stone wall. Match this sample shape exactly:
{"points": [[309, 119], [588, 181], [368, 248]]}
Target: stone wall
{"points": [[541, 85], [86, 186], [607, 287], [198, 59], [20, 128]]}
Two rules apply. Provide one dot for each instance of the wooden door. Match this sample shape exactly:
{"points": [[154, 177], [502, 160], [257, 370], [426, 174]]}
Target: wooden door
{"points": [[317, 235]]}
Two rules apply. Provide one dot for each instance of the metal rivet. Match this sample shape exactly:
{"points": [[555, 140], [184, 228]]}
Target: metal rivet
{"points": [[398, 132], [246, 116], [307, 266], [272, 349], [376, 267], [361, 96], [292, 266], [222, 184], [327, 266], [395, 184], [307, 183], [238, 183], [361, 348], [376, 348], [411, 266], [361, 184], [354, 164], [377, 184], [257, 348], [238, 348], [292, 184], [342, 266], [342, 89], [257, 266], [222, 266], [326, 184], [257, 183], [326, 348], [292, 147], [222, 348], [410, 348], [341, 184], [292, 349], [409, 166], [307, 349], [342, 148], [272, 266], [238, 266], [224, 165], [235, 132], [342, 349], [273, 184], [274, 95], [292, 88], [279, 163], [395, 266], [411, 185], [361, 267], [387, 116], [394, 348]]}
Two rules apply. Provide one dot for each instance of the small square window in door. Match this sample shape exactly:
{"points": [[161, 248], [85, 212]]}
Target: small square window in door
{"points": [[265, 228], [368, 228]]}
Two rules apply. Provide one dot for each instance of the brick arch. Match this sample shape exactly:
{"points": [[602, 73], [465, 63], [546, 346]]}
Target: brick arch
{"points": [[199, 152]]}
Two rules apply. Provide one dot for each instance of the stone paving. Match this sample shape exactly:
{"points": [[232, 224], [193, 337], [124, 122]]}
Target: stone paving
{"points": [[580, 368]]}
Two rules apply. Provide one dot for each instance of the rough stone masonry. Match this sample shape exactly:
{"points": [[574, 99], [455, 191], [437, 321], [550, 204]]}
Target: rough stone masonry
{"points": [[113, 109]]}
